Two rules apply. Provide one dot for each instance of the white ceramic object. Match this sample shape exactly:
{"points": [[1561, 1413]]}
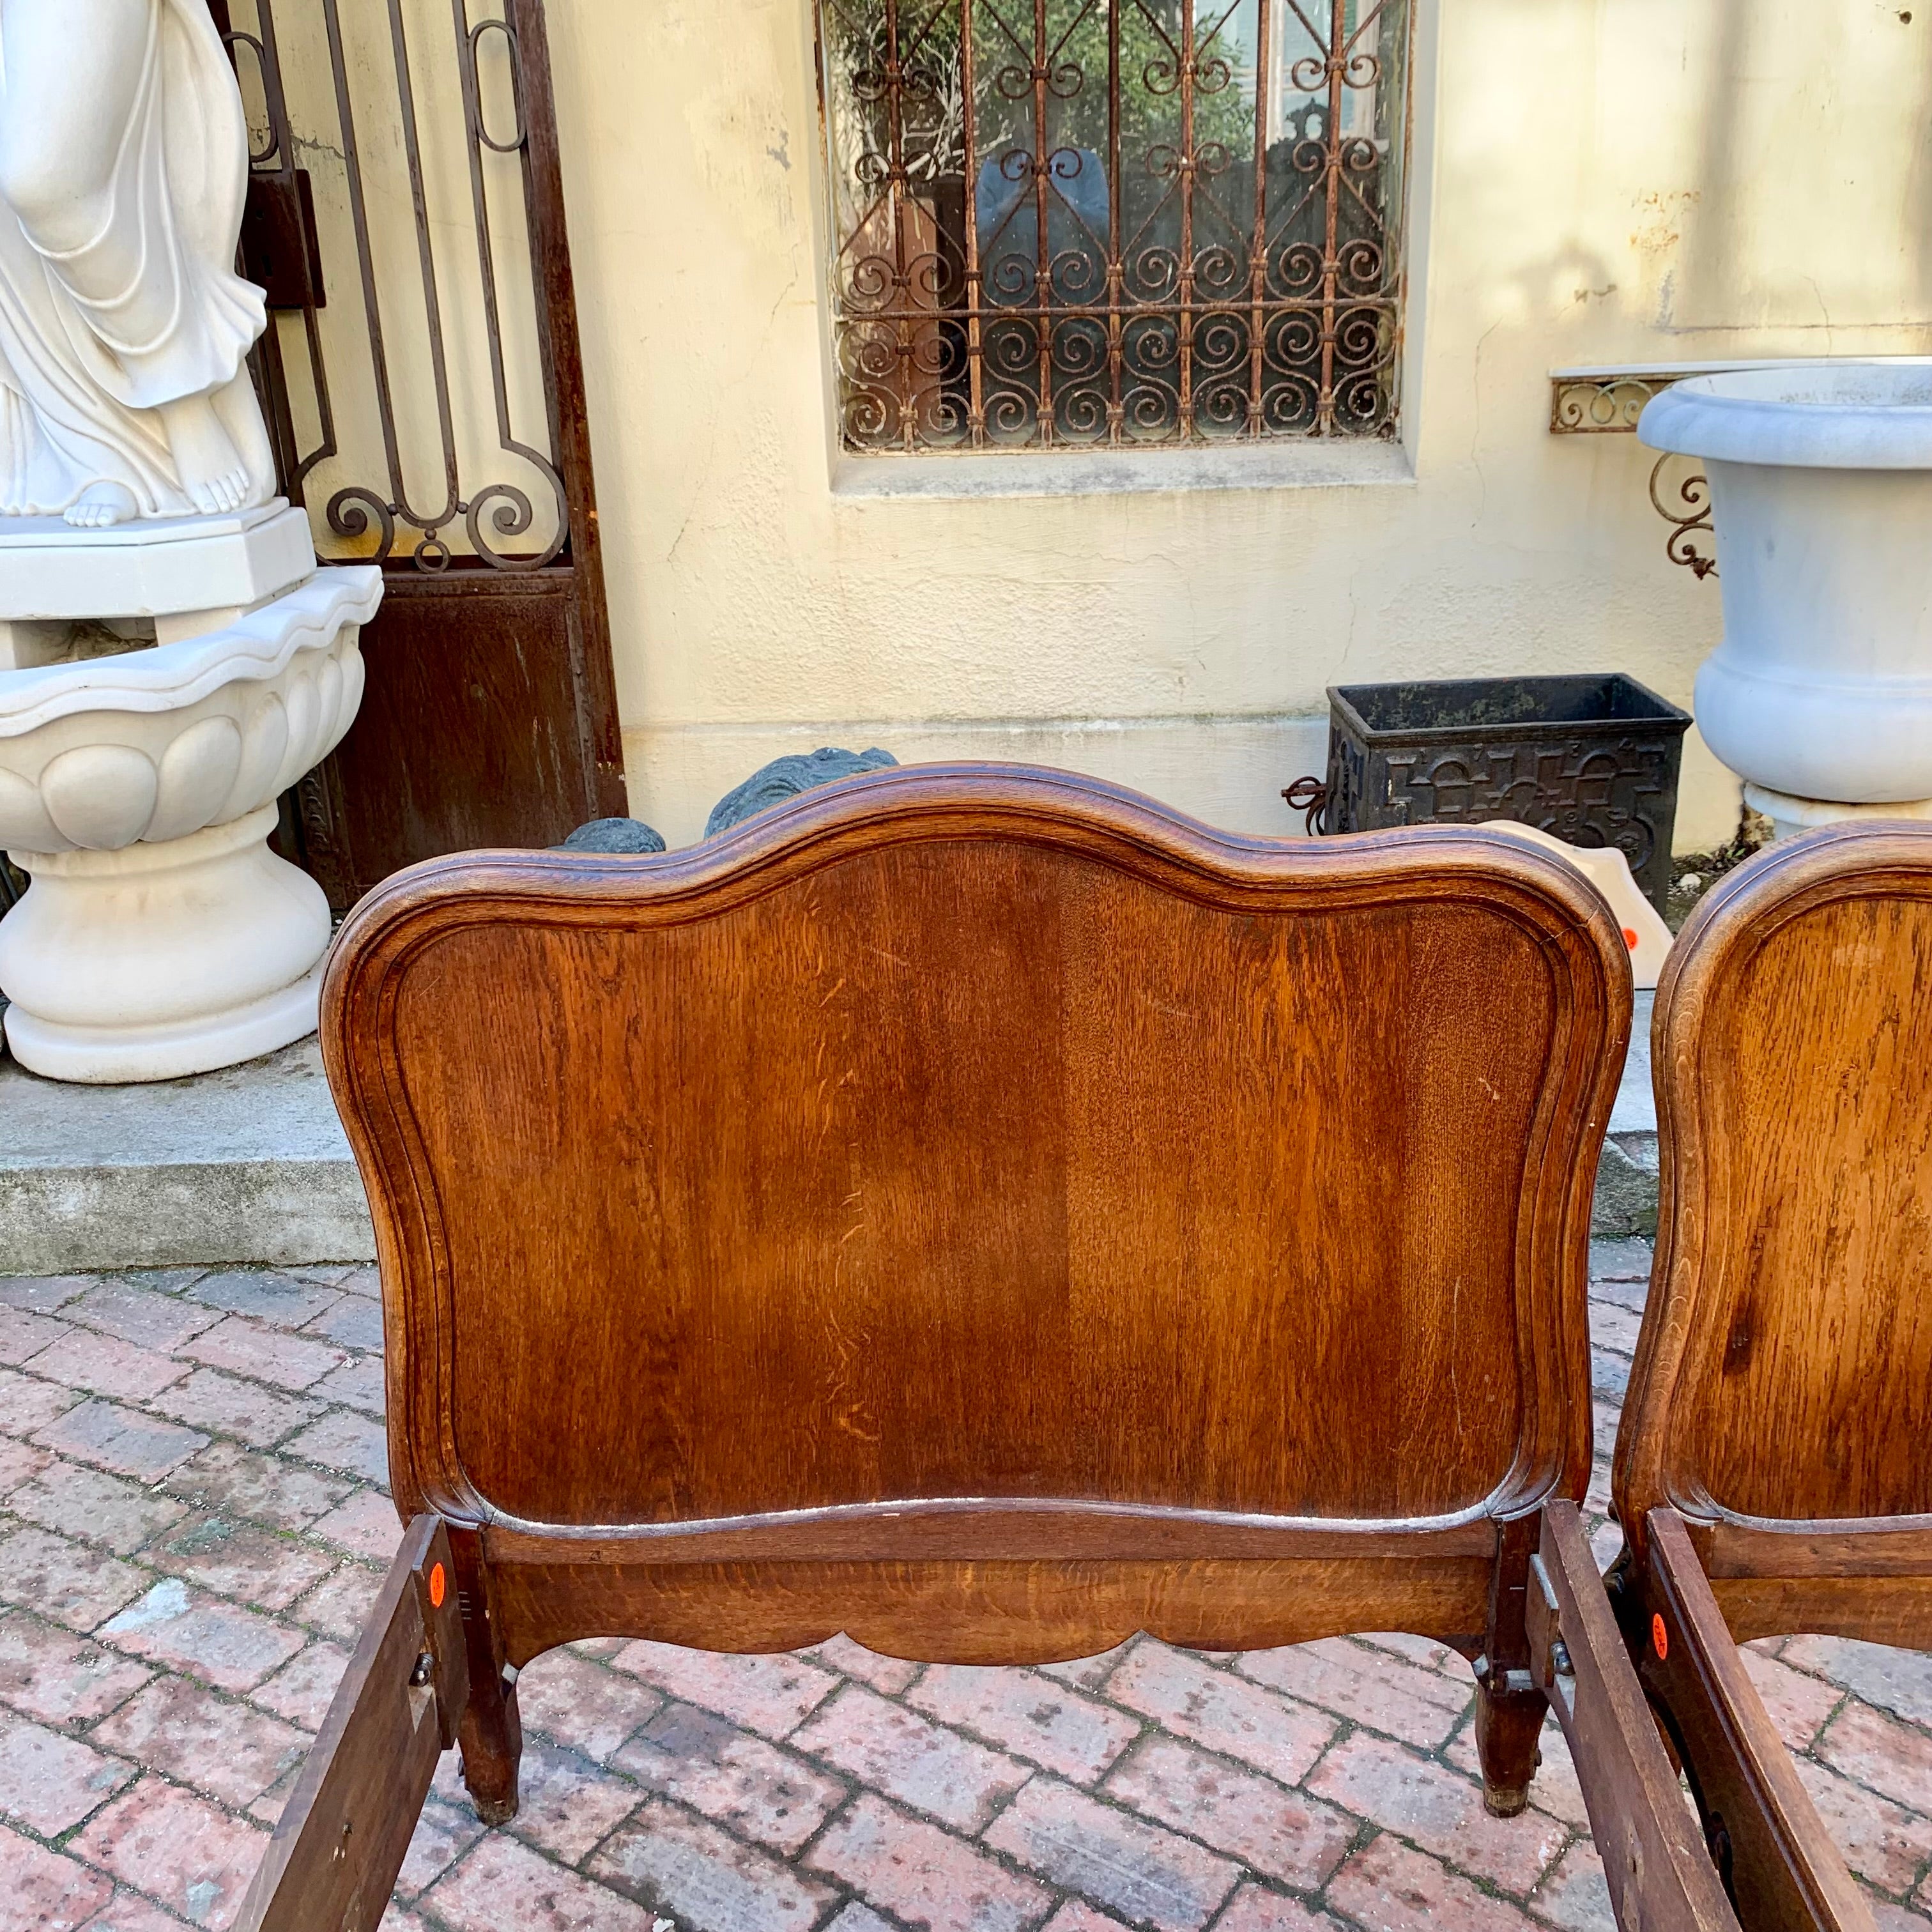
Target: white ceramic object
{"points": [[160, 936], [124, 328], [1607, 869], [1821, 492]]}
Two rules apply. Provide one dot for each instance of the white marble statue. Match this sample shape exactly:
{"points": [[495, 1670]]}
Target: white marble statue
{"points": [[124, 328]]}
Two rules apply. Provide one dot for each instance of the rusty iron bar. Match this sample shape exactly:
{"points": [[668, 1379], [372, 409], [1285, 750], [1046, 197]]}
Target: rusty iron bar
{"points": [[1043, 167], [1187, 162], [1258, 248], [1117, 354], [499, 509], [275, 164], [976, 400], [514, 514], [1331, 164], [1177, 315]]}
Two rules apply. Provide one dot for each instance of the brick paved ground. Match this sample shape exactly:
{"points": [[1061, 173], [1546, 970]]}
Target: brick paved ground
{"points": [[192, 1523]]}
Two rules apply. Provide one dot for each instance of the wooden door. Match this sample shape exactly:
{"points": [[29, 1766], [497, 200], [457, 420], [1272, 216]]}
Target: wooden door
{"points": [[424, 389]]}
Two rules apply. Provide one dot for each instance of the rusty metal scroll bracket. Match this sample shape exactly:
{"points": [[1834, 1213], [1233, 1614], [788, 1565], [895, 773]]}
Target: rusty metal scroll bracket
{"points": [[1692, 541]]}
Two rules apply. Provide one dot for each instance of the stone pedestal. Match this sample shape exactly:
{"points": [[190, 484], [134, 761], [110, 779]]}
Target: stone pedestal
{"points": [[156, 961], [1790, 815], [160, 936], [162, 582]]}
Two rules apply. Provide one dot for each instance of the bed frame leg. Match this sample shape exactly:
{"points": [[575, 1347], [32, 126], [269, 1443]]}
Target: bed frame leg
{"points": [[491, 1738], [1510, 1708], [1509, 1721], [491, 1741]]}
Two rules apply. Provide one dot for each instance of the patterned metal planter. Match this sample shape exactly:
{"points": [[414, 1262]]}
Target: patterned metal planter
{"points": [[1593, 759]]}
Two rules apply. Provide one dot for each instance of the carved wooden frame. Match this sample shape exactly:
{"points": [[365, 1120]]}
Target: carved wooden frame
{"points": [[1702, 1578], [1837, 1576], [1444, 1564], [1510, 1580]]}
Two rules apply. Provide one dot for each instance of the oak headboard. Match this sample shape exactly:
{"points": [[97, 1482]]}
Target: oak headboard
{"points": [[970, 1165]]}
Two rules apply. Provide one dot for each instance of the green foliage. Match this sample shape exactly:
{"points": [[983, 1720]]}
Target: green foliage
{"points": [[1149, 69], [1075, 49]]}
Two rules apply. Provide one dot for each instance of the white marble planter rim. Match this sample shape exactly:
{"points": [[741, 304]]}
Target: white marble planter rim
{"points": [[1831, 415], [256, 646]]}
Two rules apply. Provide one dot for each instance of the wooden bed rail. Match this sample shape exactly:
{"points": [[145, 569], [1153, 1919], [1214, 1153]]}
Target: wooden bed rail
{"points": [[333, 1857], [1655, 1861], [332, 1861], [1767, 1841]]}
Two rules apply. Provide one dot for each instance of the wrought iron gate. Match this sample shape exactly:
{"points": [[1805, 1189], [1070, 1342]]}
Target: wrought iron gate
{"points": [[424, 389]]}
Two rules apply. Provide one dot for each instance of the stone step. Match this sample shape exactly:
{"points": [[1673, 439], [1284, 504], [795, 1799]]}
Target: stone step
{"points": [[251, 1165]]}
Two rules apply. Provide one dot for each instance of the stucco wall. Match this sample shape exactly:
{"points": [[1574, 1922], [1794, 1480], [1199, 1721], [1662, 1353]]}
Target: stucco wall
{"points": [[1594, 180]]}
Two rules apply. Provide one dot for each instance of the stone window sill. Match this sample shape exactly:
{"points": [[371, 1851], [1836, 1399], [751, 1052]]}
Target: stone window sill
{"points": [[1308, 464]]}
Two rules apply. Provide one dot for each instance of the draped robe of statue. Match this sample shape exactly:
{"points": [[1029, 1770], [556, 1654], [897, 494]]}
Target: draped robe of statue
{"points": [[97, 340]]}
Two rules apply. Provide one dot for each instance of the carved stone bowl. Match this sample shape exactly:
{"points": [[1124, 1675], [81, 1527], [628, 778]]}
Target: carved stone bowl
{"points": [[160, 936], [155, 744]]}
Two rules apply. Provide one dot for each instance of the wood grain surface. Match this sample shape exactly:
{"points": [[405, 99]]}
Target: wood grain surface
{"points": [[341, 1838], [989, 1139], [1781, 1397], [1771, 1472], [1779, 1862], [1657, 1869]]}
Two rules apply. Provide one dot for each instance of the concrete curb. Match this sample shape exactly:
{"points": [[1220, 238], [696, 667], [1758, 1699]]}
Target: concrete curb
{"points": [[283, 1213], [247, 1165], [1626, 1202]]}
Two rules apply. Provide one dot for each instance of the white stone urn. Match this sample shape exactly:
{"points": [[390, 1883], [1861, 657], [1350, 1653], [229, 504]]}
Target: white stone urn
{"points": [[160, 936], [1820, 695]]}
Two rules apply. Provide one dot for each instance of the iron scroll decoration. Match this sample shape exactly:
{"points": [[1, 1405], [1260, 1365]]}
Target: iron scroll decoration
{"points": [[493, 517], [1611, 403], [1608, 405], [1689, 517], [1063, 226]]}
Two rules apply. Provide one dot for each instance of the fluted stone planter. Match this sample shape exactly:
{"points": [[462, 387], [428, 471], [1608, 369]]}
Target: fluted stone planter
{"points": [[160, 936], [1820, 695]]}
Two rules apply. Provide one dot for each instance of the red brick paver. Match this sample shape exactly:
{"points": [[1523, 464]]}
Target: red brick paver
{"points": [[193, 1522]]}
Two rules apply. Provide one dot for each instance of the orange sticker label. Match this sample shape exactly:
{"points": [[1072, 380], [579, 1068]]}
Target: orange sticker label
{"points": [[1630, 937], [1660, 1639], [439, 1588]]}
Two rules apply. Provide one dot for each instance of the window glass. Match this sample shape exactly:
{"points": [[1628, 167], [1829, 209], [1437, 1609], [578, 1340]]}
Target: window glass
{"points": [[1114, 222]]}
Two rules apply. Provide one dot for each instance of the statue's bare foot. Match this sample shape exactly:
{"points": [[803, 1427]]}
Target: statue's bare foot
{"points": [[210, 467], [101, 505]]}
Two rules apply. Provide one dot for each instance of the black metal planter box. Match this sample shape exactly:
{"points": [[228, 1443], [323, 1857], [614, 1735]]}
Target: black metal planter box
{"points": [[1593, 759]]}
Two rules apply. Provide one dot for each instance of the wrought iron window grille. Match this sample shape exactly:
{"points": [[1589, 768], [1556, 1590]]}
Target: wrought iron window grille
{"points": [[1114, 223]]}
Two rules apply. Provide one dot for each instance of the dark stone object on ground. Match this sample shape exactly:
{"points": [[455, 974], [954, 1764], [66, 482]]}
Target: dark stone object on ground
{"points": [[13, 889], [786, 777], [613, 835]]}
